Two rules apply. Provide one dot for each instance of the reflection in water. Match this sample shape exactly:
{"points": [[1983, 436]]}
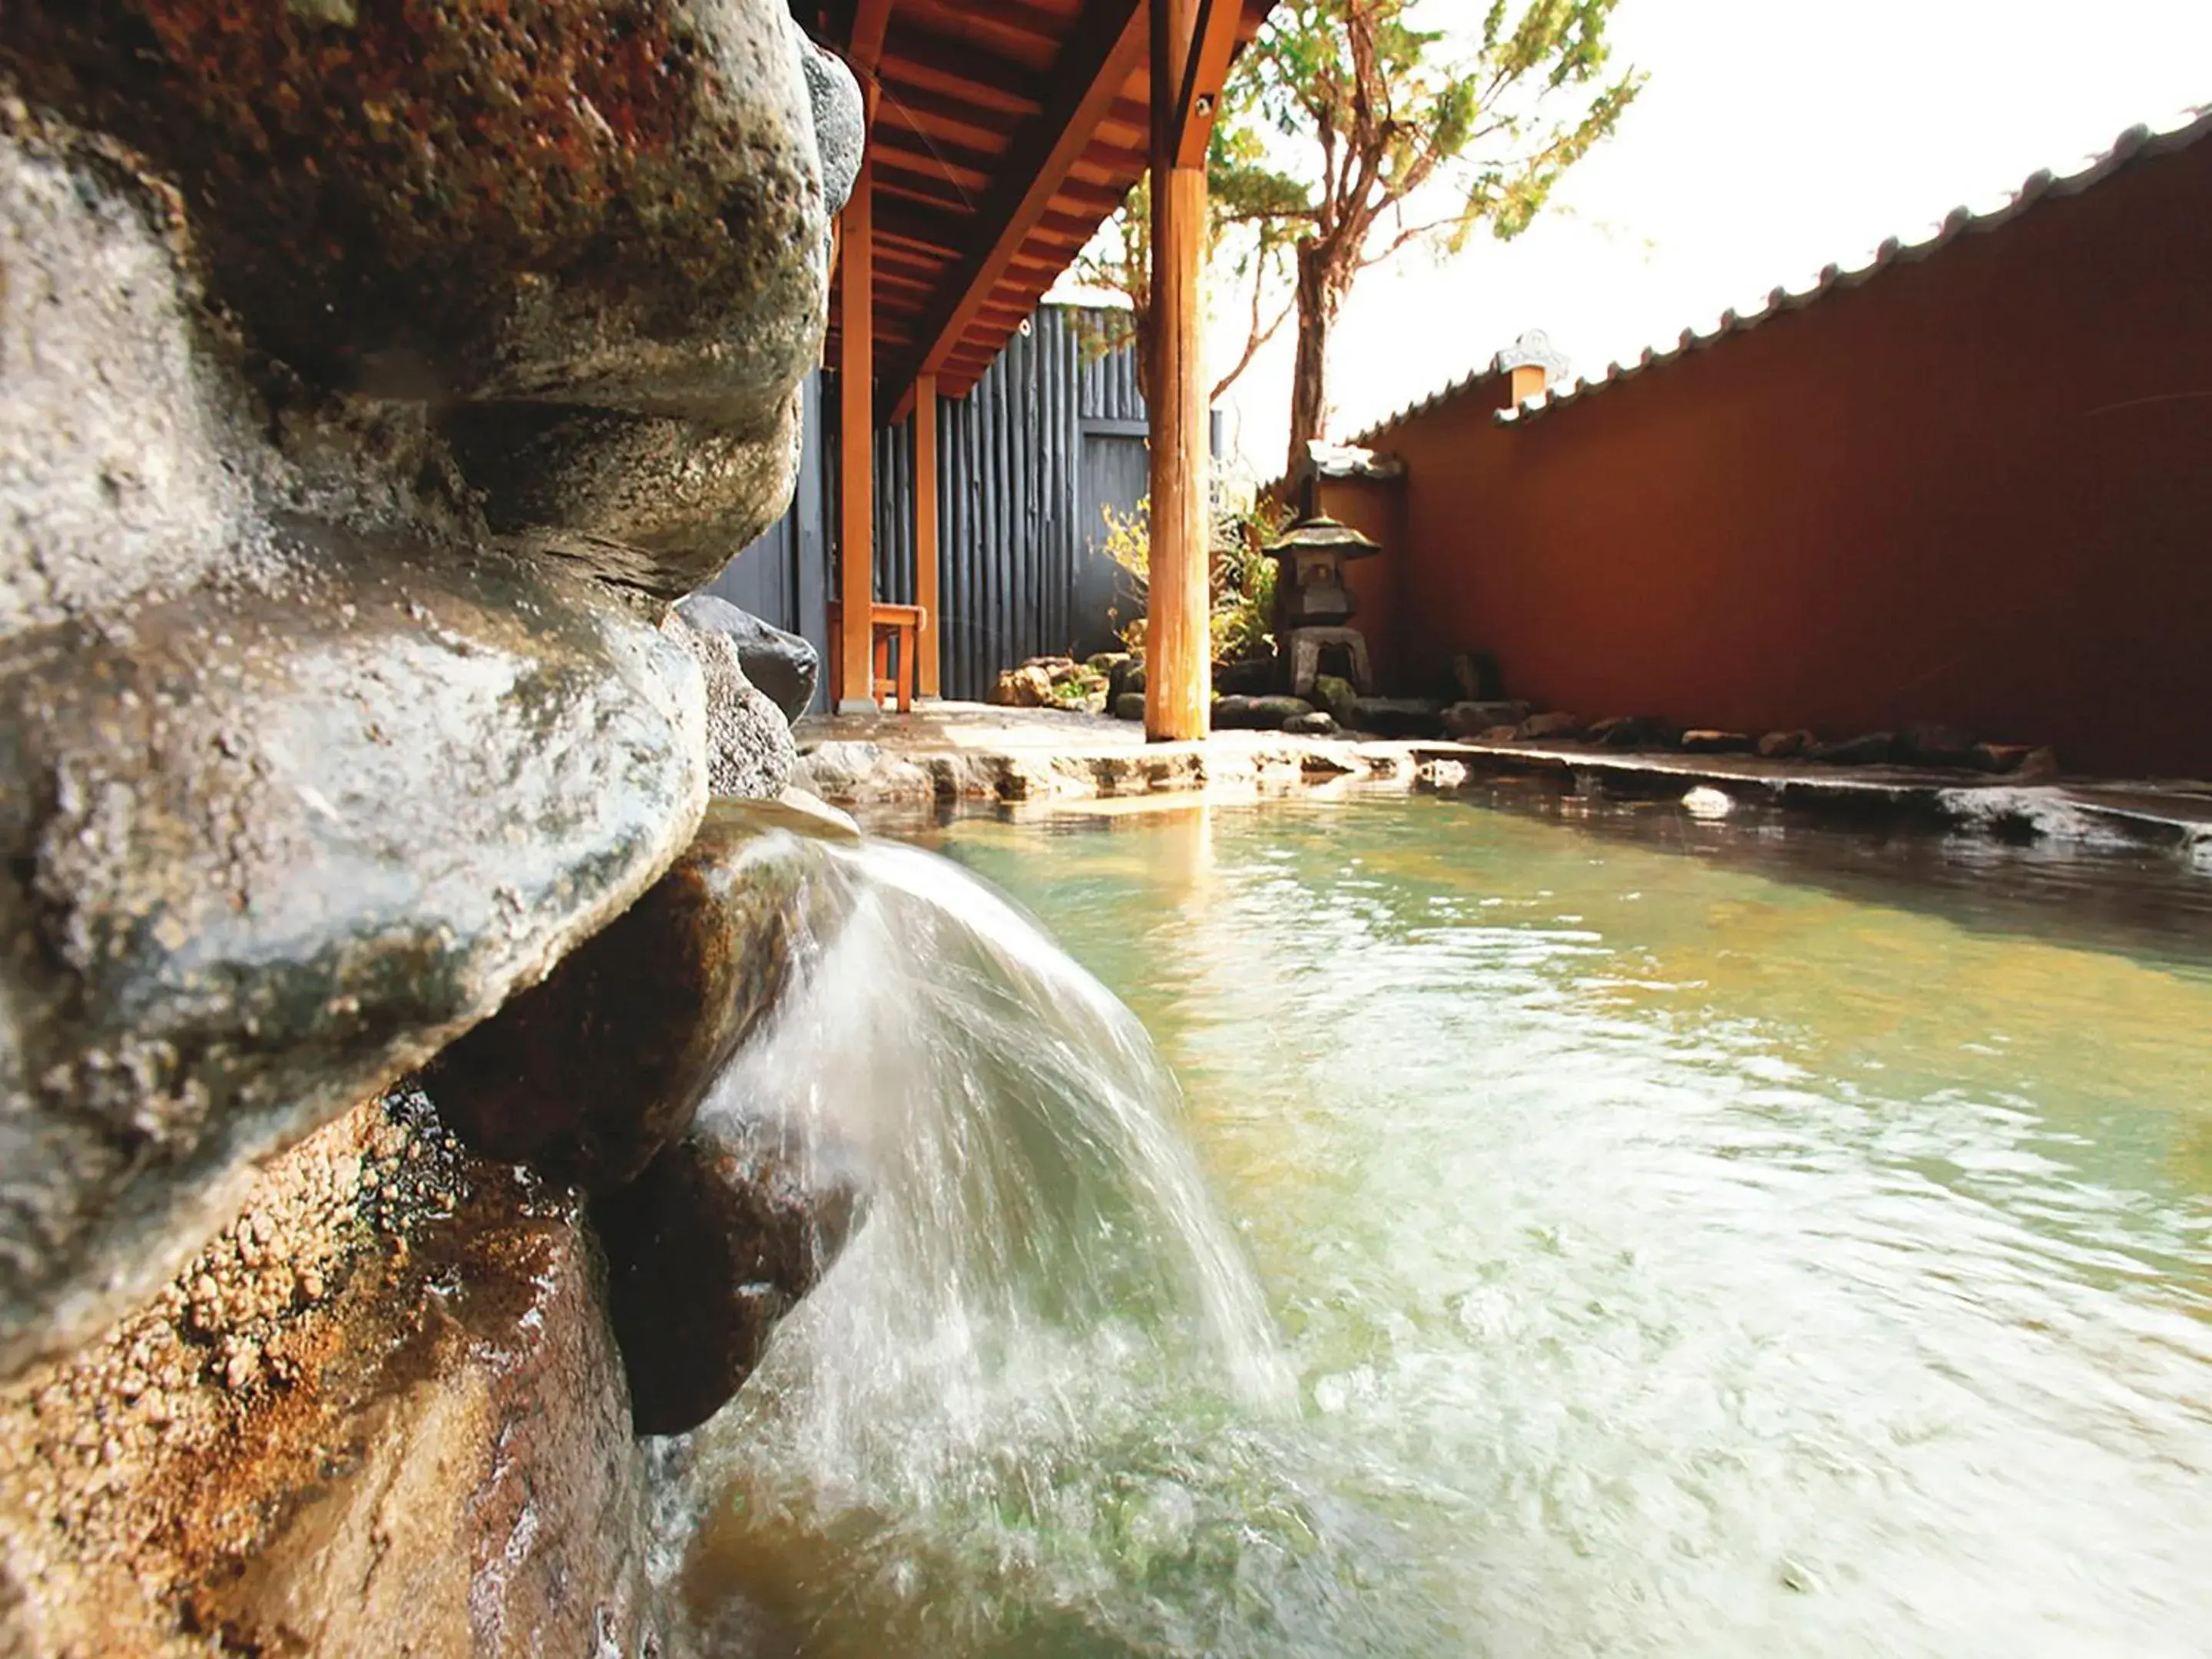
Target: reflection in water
{"points": [[1678, 1251]]}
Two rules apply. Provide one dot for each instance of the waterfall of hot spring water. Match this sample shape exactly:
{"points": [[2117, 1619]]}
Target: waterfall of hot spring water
{"points": [[1038, 1269]]}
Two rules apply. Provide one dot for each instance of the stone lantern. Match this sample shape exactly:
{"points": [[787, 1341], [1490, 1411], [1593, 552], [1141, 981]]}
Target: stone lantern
{"points": [[1313, 607]]}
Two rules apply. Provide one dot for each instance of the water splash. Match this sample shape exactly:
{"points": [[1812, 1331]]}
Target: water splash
{"points": [[1039, 1270]]}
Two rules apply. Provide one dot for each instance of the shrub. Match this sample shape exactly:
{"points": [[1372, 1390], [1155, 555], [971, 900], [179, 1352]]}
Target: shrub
{"points": [[1240, 577]]}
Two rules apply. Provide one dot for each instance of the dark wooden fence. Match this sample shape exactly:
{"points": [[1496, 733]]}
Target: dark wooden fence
{"points": [[1027, 463]]}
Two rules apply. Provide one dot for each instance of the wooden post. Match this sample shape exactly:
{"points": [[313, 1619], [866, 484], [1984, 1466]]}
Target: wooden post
{"points": [[856, 450], [924, 531], [1177, 649]]}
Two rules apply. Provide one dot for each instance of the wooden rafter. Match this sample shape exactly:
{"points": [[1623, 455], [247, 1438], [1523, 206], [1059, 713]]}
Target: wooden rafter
{"points": [[865, 49], [1106, 46], [973, 76]]}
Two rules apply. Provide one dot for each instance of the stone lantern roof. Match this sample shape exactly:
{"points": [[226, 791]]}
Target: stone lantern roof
{"points": [[1318, 533]]}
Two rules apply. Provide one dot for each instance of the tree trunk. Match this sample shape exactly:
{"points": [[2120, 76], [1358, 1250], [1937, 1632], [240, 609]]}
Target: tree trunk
{"points": [[1309, 378]]}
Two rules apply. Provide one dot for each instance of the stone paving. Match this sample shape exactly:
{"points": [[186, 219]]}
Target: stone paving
{"points": [[955, 751]]}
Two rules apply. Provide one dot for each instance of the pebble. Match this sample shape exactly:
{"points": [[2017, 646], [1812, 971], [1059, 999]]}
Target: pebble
{"points": [[1706, 802]]}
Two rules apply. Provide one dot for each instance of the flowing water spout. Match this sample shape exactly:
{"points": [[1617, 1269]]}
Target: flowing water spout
{"points": [[1037, 1252]]}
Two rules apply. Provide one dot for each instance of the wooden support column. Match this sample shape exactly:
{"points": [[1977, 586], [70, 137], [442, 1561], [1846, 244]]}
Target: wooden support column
{"points": [[856, 450], [1177, 649], [925, 532]]}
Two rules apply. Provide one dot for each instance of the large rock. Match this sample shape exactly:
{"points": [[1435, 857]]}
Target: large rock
{"points": [[597, 232], [382, 1412], [653, 502], [1871, 749], [1706, 740], [1395, 717], [861, 774], [606, 203], [708, 1250], [1027, 687], [1471, 719], [589, 1075], [1244, 713], [750, 753], [1634, 732], [116, 438], [1554, 726], [841, 130], [1252, 676], [782, 665], [1337, 695], [264, 849], [1938, 744]]}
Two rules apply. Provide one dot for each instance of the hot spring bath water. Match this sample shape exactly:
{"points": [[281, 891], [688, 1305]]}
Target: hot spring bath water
{"points": [[1564, 1241]]}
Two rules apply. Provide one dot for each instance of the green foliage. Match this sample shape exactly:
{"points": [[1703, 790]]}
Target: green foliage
{"points": [[1240, 579], [1129, 544], [1392, 108], [1351, 129]]}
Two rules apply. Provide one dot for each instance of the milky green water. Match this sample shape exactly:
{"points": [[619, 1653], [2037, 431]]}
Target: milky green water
{"points": [[1673, 1251]]}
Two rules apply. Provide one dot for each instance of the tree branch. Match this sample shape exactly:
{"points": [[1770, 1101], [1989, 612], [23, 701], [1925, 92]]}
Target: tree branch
{"points": [[1257, 338]]}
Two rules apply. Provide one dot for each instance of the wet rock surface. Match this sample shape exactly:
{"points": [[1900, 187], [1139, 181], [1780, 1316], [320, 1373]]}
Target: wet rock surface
{"points": [[859, 772], [615, 204], [587, 1076], [653, 503], [782, 665], [595, 232], [750, 752], [380, 1413], [266, 849], [377, 371], [708, 1250], [114, 433]]}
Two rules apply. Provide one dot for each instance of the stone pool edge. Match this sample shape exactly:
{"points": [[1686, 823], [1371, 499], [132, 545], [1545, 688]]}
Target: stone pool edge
{"points": [[892, 766]]}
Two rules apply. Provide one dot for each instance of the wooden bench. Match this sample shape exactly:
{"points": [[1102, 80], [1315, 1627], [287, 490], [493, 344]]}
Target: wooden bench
{"points": [[891, 629]]}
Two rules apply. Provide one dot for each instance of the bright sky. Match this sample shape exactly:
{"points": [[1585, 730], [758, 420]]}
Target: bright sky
{"points": [[1774, 136]]}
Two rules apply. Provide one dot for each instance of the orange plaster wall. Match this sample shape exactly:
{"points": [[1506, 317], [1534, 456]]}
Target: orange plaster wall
{"points": [[1978, 490]]}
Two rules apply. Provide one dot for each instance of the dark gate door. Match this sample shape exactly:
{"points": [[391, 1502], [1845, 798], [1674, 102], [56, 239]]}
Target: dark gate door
{"points": [[1115, 472]]}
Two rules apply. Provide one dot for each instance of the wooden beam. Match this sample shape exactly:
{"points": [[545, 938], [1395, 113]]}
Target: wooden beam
{"points": [[856, 691], [1098, 58], [1178, 666], [865, 49], [1205, 73], [925, 531]]}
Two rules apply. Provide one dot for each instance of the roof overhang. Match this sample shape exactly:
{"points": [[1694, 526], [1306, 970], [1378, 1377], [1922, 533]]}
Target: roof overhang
{"points": [[1003, 134]]}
